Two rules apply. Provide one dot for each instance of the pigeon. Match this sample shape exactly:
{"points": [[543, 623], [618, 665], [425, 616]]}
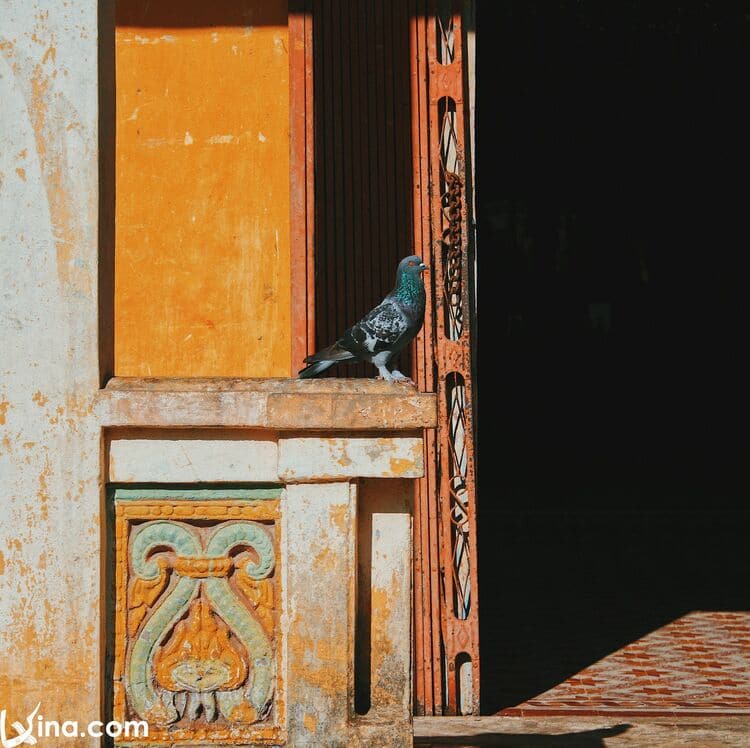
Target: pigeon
{"points": [[383, 332]]}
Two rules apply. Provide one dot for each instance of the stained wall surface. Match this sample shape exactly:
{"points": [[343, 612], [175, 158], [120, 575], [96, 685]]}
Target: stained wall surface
{"points": [[202, 273], [49, 438]]}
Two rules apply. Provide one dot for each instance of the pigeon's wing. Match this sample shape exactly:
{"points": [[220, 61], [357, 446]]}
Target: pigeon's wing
{"points": [[378, 331]]}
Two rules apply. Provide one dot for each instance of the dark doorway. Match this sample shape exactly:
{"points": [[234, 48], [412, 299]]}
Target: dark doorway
{"points": [[612, 169], [363, 180]]}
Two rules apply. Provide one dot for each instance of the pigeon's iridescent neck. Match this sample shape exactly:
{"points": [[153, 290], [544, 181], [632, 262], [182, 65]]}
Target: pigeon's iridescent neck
{"points": [[410, 288]]}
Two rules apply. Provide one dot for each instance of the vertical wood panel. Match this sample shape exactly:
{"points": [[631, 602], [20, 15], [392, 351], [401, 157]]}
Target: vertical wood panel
{"points": [[302, 181], [363, 186], [427, 594]]}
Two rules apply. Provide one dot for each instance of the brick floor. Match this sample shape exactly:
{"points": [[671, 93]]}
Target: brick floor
{"points": [[696, 664]]}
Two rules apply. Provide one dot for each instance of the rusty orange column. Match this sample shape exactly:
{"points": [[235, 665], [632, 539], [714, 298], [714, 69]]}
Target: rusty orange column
{"points": [[302, 172], [447, 653]]}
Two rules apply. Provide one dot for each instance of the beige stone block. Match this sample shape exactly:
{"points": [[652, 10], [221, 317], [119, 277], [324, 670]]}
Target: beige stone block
{"points": [[192, 460], [335, 458], [182, 409], [391, 605], [318, 523]]}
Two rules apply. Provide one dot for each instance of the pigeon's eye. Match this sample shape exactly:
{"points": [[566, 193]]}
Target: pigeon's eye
{"points": [[412, 263]]}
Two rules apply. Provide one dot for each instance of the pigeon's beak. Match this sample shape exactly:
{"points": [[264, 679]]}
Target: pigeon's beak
{"points": [[424, 267]]}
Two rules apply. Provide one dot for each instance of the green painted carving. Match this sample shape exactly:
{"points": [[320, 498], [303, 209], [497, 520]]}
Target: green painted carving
{"points": [[143, 696], [229, 536], [252, 700], [256, 493], [161, 532], [259, 690]]}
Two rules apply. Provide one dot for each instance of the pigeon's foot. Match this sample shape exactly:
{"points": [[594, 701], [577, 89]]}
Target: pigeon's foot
{"points": [[399, 377], [385, 374]]}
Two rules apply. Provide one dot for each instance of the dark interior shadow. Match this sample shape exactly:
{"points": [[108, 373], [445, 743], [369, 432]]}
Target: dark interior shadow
{"points": [[363, 166], [612, 481], [106, 223], [562, 591], [195, 13], [583, 739]]}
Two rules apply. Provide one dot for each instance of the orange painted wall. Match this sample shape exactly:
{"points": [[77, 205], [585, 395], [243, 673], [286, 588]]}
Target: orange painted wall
{"points": [[202, 264]]}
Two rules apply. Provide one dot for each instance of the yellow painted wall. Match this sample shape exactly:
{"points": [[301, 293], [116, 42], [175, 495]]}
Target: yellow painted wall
{"points": [[202, 264]]}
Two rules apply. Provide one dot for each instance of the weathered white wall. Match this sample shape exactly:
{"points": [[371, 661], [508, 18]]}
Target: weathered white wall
{"points": [[49, 442]]}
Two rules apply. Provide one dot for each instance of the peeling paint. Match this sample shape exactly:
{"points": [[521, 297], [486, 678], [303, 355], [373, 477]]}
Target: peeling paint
{"points": [[222, 139], [40, 399], [43, 492], [339, 517], [138, 39], [400, 467]]}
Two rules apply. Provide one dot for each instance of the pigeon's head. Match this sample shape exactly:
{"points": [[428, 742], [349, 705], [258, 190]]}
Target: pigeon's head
{"points": [[412, 266]]}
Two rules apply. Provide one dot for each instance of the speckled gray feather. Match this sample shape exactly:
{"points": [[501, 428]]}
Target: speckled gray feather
{"points": [[383, 332]]}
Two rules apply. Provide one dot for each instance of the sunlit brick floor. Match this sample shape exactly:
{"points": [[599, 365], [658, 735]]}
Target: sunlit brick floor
{"points": [[695, 664]]}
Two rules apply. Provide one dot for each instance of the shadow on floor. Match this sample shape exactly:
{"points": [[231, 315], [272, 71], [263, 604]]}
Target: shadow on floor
{"points": [[584, 739], [606, 513], [568, 590]]}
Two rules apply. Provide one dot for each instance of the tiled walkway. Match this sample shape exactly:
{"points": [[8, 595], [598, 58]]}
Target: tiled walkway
{"points": [[696, 664]]}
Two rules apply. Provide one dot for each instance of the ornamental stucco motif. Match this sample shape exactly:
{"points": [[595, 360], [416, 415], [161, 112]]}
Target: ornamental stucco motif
{"points": [[196, 620]]}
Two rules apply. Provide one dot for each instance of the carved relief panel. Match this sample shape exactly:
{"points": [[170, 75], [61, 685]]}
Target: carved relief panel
{"points": [[197, 642]]}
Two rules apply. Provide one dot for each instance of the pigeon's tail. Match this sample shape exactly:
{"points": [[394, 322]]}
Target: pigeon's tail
{"points": [[333, 353], [325, 359], [314, 369]]}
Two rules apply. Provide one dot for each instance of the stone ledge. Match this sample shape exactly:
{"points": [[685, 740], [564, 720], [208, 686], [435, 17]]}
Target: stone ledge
{"points": [[289, 404], [285, 385]]}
